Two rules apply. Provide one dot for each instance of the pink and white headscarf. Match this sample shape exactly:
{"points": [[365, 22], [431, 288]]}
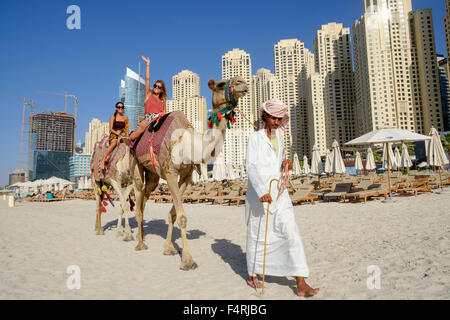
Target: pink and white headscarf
{"points": [[275, 107]]}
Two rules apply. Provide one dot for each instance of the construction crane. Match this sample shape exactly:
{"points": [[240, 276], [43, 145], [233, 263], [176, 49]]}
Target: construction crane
{"points": [[68, 95]]}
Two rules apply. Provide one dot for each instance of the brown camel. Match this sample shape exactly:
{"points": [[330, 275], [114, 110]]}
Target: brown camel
{"points": [[178, 171]]}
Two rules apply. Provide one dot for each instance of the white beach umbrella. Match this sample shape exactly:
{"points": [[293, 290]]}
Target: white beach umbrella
{"points": [[195, 177], [306, 169], [337, 163], [204, 171], [219, 168], [386, 136], [405, 161], [316, 161], [370, 160], [435, 152], [358, 162], [230, 172], [398, 157], [392, 161], [242, 173], [296, 168], [328, 162]]}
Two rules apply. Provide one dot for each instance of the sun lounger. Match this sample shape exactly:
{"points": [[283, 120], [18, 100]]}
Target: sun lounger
{"points": [[374, 190], [420, 184], [304, 194], [339, 192]]}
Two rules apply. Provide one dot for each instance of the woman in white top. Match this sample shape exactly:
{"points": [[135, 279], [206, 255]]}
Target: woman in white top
{"points": [[284, 252]]}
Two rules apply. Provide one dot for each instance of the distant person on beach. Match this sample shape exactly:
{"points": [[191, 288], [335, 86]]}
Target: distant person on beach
{"points": [[155, 103], [64, 192], [118, 126], [285, 255]]}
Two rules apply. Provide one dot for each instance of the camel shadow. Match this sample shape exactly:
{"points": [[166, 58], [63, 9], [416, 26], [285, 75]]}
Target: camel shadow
{"points": [[157, 227], [233, 255]]}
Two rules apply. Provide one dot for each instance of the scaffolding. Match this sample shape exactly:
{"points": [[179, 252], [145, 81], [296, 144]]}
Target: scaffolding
{"points": [[54, 131]]}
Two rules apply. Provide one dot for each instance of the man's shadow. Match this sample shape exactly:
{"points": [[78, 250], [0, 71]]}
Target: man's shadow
{"points": [[233, 255]]}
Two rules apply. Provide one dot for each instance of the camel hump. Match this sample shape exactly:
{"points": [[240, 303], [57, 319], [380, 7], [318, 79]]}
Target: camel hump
{"points": [[161, 140]]}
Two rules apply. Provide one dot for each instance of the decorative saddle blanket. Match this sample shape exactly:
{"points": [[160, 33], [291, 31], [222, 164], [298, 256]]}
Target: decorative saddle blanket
{"points": [[99, 152], [157, 139]]}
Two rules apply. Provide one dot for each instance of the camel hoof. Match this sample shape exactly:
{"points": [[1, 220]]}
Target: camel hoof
{"points": [[100, 232], [141, 246], [119, 233], [191, 265], [128, 237], [171, 252]]}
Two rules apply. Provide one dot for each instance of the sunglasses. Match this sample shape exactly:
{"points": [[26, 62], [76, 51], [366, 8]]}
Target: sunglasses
{"points": [[122, 107], [157, 86]]}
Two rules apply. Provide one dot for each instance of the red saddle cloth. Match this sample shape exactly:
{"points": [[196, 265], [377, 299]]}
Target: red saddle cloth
{"points": [[161, 141], [99, 152]]}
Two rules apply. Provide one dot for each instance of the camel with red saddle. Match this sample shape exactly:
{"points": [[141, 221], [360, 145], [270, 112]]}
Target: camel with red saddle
{"points": [[174, 151]]}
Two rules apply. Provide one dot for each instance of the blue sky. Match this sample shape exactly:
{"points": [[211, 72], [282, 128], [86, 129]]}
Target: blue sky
{"points": [[39, 53]]}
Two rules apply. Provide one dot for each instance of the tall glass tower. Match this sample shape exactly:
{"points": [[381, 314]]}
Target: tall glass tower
{"points": [[132, 94]]}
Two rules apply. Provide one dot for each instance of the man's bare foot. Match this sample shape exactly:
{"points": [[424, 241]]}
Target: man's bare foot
{"points": [[304, 290], [253, 282]]}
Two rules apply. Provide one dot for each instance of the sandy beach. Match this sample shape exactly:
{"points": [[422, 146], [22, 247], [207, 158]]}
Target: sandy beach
{"points": [[408, 240]]}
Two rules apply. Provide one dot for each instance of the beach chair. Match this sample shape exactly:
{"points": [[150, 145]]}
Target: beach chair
{"points": [[420, 184], [339, 192], [304, 194], [374, 190]]}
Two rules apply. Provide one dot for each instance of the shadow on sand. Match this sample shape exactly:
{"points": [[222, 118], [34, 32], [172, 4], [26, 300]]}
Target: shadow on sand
{"points": [[233, 255]]}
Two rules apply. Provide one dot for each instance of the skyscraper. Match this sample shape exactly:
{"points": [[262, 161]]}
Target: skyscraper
{"points": [[293, 64], [132, 94], [265, 86], [425, 73], [382, 55], [186, 98], [445, 90], [447, 28], [52, 145], [333, 60], [97, 130], [238, 63], [317, 114]]}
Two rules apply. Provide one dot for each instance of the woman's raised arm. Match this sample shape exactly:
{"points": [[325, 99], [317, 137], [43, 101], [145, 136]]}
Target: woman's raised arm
{"points": [[147, 78]]}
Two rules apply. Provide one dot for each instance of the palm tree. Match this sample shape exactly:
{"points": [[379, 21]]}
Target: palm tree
{"points": [[446, 142]]}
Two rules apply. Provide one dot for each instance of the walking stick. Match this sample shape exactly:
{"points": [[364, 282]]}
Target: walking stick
{"points": [[265, 238]]}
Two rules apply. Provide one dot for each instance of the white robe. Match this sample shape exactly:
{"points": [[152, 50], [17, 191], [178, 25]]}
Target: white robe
{"points": [[284, 251]]}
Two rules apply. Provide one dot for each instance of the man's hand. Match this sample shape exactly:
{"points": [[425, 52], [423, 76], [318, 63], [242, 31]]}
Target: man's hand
{"points": [[266, 198], [288, 164]]}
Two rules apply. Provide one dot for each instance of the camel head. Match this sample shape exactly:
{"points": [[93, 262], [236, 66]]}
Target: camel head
{"points": [[220, 98]]}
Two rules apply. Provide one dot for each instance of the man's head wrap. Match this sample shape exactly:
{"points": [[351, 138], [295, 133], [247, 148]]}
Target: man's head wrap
{"points": [[275, 107]]}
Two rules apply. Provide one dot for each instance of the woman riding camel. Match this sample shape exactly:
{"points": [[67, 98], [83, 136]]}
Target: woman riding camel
{"points": [[118, 126], [155, 103]]}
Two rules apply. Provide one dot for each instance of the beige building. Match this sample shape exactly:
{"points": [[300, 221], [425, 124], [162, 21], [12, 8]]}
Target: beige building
{"points": [[317, 128], [382, 55], [293, 65], [186, 98], [185, 84], [333, 60], [265, 86], [425, 75], [238, 63], [97, 130]]}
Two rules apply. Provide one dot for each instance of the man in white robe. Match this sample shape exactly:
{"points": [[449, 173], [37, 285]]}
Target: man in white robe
{"points": [[284, 249]]}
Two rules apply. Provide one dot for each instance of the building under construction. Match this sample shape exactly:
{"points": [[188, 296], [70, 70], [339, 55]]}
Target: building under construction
{"points": [[52, 145]]}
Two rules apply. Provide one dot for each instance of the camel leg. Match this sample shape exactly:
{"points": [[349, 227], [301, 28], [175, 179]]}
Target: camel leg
{"points": [[123, 194], [169, 249], [138, 185], [186, 259], [98, 220]]}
